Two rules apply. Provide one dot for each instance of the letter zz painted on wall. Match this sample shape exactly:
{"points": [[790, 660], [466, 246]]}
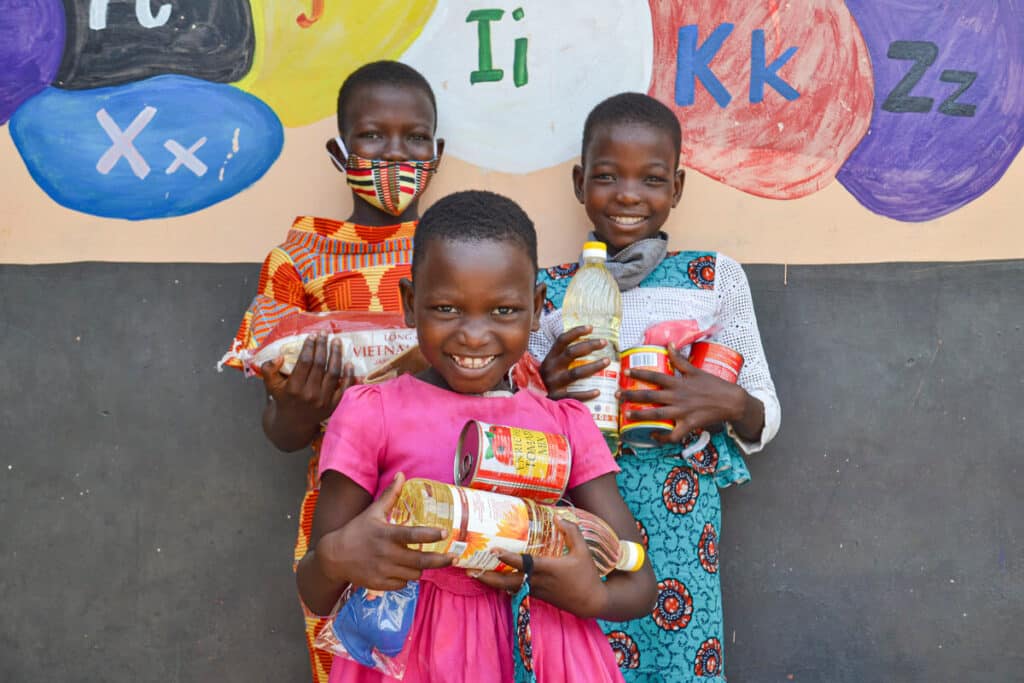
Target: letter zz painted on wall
{"points": [[924, 53]]}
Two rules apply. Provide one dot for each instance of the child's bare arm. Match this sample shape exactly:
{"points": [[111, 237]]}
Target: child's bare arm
{"points": [[352, 542], [298, 403]]}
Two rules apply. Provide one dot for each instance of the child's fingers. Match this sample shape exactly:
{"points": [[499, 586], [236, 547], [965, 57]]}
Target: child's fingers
{"points": [[304, 362], [585, 348], [272, 377], [503, 581], [334, 366], [574, 541], [568, 376], [679, 361], [417, 561], [657, 414], [581, 395], [564, 340], [347, 379], [511, 559], [661, 397], [677, 435], [382, 506], [319, 362], [393, 580], [407, 535], [651, 377]]}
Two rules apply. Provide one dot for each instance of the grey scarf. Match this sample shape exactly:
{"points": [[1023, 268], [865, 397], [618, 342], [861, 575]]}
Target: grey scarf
{"points": [[631, 265]]}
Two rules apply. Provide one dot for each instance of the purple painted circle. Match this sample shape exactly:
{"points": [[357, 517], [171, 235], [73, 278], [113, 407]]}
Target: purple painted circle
{"points": [[31, 46], [919, 165]]}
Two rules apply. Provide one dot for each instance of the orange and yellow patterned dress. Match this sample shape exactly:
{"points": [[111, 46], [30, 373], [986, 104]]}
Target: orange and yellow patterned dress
{"points": [[325, 265]]}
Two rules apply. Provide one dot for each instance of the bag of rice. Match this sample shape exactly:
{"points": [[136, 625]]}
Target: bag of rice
{"points": [[374, 343]]}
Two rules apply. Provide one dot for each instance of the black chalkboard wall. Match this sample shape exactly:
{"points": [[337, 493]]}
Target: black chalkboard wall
{"points": [[148, 527]]}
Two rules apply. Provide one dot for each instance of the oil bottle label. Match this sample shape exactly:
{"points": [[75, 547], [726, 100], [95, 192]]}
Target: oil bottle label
{"points": [[604, 408], [484, 523]]}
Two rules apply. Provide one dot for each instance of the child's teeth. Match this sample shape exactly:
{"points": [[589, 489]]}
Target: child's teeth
{"points": [[628, 220], [473, 362]]}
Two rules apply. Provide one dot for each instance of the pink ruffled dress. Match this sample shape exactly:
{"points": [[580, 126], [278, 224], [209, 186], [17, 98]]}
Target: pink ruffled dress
{"points": [[463, 631]]}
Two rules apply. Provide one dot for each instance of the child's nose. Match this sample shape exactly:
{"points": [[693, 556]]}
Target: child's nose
{"points": [[395, 149], [474, 333], [628, 194]]}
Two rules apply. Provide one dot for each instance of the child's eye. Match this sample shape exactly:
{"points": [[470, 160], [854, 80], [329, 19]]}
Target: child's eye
{"points": [[370, 135], [656, 180], [445, 308], [604, 177], [419, 137], [506, 310]]}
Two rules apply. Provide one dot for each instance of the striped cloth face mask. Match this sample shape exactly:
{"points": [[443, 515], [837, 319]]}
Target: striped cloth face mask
{"points": [[389, 185]]}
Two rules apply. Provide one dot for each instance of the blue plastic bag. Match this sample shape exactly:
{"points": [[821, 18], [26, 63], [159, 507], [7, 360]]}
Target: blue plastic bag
{"points": [[372, 627]]}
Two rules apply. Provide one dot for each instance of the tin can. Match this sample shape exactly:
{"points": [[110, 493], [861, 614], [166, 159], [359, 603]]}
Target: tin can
{"points": [[717, 359], [636, 432], [513, 461]]}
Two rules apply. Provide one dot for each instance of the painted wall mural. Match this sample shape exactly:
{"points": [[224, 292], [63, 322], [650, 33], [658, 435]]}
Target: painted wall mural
{"points": [[165, 146], [111, 42], [142, 109], [299, 41], [772, 98], [948, 117], [517, 83]]}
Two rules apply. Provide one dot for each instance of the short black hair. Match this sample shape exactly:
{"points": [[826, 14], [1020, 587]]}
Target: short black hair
{"points": [[475, 216], [384, 72], [635, 108]]}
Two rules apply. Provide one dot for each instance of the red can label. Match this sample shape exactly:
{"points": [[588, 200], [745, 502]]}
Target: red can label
{"points": [[654, 359], [513, 461], [717, 359]]}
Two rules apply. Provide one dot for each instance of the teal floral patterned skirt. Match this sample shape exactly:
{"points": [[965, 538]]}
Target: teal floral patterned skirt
{"points": [[677, 506]]}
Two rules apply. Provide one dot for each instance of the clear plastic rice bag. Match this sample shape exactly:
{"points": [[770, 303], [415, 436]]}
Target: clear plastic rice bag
{"points": [[372, 628], [368, 340]]}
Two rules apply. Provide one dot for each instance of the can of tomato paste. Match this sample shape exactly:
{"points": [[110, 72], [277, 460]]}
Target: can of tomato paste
{"points": [[640, 432], [717, 359], [513, 461]]}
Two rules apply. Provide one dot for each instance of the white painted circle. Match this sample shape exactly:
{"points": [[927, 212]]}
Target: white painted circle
{"points": [[578, 53]]}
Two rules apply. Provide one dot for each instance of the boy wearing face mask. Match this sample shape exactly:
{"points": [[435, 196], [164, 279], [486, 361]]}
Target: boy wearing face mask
{"points": [[387, 116]]}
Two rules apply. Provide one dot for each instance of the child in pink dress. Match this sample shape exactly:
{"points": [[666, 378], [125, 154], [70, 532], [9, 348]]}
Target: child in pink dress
{"points": [[473, 302]]}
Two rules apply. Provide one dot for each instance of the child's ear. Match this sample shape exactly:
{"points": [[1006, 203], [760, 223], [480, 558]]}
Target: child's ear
{"points": [[440, 149], [678, 183], [337, 158], [538, 305], [577, 182], [407, 292]]}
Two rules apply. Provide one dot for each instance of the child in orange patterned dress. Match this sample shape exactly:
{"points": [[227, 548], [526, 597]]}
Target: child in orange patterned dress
{"points": [[387, 118]]}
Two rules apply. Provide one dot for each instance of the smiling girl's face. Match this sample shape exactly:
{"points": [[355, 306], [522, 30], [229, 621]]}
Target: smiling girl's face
{"points": [[473, 304], [629, 182]]}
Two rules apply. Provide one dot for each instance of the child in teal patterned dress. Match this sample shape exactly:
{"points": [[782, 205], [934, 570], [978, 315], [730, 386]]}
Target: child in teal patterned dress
{"points": [[629, 180]]}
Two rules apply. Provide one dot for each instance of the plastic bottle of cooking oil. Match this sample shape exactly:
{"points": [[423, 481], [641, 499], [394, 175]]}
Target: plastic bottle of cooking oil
{"points": [[481, 522], [593, 298]]}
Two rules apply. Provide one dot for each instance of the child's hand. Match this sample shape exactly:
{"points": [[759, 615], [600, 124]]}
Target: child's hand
{"points": [[310, 394], [694, 400], [555, 368], [371, 553], [570, 583]]}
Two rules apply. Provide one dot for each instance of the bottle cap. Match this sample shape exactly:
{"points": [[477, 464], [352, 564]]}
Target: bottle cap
{"points": [[631, 556], [595, 250]]}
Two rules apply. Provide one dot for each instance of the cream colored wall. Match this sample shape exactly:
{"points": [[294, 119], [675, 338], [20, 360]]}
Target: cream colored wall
{"points": [[829, 226]]}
